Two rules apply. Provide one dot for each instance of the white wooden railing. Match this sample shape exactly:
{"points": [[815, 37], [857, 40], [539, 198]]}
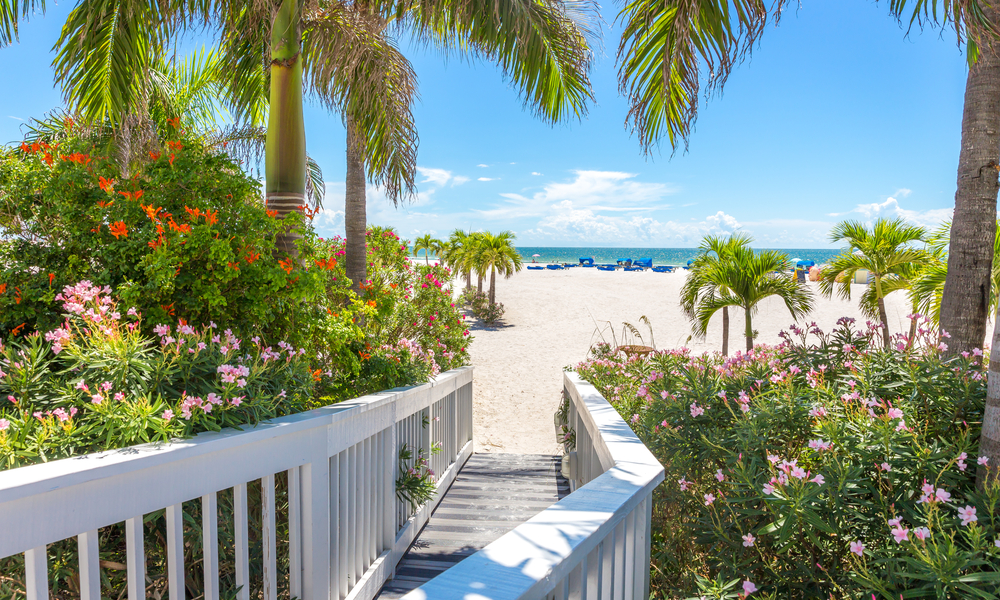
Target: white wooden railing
{"points": [[347, 529], [592, 544]]}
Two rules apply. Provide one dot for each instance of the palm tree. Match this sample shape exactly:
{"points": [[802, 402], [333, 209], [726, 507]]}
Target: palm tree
{"points": [[885, 251], [714, 249], [742, 279], [496, 252], [428, 244], [458, 254]]}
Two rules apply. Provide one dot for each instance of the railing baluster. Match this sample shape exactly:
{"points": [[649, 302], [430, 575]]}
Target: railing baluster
{"points": [[344, 550], [269, 535], [36, 573], [378, 462], [607, 548], [593, 573], [135, 558], [366, 494], [641, 546], [355, 573], [90, 567], [389, 509], [630, 553], [294, 534], [618, 575], [210, 544], [175, 551], [578, 580], [316, 537], [334, 466], [242, 541]]}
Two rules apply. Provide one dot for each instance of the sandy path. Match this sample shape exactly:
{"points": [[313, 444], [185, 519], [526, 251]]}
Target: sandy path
{"points": [[550, 323]]}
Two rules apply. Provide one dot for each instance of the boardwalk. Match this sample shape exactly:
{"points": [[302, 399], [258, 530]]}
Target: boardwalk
{"points": [[493, 494]]}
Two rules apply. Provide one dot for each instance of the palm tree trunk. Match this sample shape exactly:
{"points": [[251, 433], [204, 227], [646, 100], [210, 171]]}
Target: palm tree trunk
{"points": [[468, 280], [885, 321], [285, 143], [355, 211], [427, 258], [964, 305], [725, 331], [989, 439], [480, 281], [493, 286], [749, 329]]}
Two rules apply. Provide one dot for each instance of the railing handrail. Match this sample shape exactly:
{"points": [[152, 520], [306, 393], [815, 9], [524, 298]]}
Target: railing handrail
{"points": [[540, 554], [23, 484]]}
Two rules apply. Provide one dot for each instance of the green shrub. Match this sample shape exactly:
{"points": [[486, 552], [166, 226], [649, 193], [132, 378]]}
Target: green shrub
{"points": [[479, 302], [814, 470]]}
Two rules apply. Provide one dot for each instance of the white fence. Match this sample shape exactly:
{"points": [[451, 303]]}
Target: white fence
{"points": [[593, 544], [347, 529]]}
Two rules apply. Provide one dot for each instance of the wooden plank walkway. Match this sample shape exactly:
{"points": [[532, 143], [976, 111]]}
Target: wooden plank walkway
{"points": [[493, 494]]}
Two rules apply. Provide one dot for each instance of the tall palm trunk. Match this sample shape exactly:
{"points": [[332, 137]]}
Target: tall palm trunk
{"points": [[749, 329], [725, 331], [964, 304], [480, 284], [468, 280], [493, 285], [285, 144], [355, 211], [989, 440]]}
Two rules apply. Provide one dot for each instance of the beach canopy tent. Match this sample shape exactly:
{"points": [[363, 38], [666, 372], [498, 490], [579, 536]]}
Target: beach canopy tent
{"points": [[644, 262], [624, 262], [587, 261], [805, 264]]}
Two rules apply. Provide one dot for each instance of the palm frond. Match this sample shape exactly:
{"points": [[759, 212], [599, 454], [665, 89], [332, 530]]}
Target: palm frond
{"points": [[353, 67], [315, 185], [244, 57], [540, 45], [970, 19], [11, 11], [664, 47]]}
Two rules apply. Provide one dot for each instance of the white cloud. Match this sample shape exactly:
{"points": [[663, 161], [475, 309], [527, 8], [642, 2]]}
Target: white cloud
{"points": [[570, 225], [488, 178], [435, 176], [458, 180], [482, 165], [891, 208], [536, 173], [15, 118]]}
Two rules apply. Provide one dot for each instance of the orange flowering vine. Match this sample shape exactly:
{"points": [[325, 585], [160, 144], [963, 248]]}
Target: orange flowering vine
{"points": [[175, 145], [327, 264], [51, 277], [107, 184], [251, 256], [105, 204], [118, 229], [272, 213], [154, 155], [168, 308], [3, 288], [17, 295], [171, 160], [211, 217], [286, 265], [133, 195], [184, 228], [18, 329]]}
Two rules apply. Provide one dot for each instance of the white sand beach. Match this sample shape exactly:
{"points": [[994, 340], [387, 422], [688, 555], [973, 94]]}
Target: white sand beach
{"points": [[552, 318]]}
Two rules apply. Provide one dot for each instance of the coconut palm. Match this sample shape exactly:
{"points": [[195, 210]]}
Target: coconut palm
{"points": [[885, 251], [496, 253], [428, 244], [714, 249], [458, 254], [540, 45], [743, 278]]}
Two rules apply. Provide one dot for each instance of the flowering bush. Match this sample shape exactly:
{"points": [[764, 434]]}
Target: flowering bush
{"points": [[97, 382], [479, 302], [184, 235], [822, 467]]}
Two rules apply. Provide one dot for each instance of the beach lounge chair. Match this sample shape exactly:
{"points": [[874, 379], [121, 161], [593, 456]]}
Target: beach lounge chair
{"points": [[645, 263], [634, 269], [538, 268], [663, 269], [605, 268], [554, 267], [587, 261]]}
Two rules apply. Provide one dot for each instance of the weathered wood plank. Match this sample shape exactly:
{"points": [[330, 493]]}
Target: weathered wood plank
{"points": [[493, 494]]}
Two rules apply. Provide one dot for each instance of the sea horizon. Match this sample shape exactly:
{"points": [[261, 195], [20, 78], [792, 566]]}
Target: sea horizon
{"points": [[660, 256]]}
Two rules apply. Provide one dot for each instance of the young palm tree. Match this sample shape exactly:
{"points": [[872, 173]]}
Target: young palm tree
{"points": [[885, 251], [428, 244], [714, 250], [458, 255], [497, 253], [744, 278]]}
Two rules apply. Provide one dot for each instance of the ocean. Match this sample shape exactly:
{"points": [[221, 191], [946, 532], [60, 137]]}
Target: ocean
{"points": [[660, 256]]}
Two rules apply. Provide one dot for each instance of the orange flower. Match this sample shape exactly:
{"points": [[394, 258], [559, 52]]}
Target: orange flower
{"points": [[3, 288], [96, 229], [364, 355], [49, 160], [17, 295], [371, 303], [175, 145], [317, 375], [234, 265], [286, 265], [185, 228], [154, 155], [156, 243], [151, 212], [83, 159], [176, 122], [51, 277], [105, 204], [18, 329], [251, 256], [309, 212], [272, 213], [171, 160], [35, 147], [69, 122], [107, 184], [132, 195], [118, 229], [211, 217], [194, 213], [169, 308], [25, 148], [327, 264]]}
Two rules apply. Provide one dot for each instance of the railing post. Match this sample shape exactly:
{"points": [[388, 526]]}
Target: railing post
{"points": [[315, 481]]}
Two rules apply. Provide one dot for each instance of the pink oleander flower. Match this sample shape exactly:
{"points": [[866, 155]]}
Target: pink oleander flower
{"points": [[696, 410], [709, 498], [162, 330], [922, 533], [119, 396], [719, 475], [818, 479], [968, 515], [96, 398], [798, 473], [749, 587], [768, 489], [858, 547], [982, 460], [819, 444], [168, 415], [942, 496], [773, 459], [902, 425], [684, 483], [901, 534], [4, 424], [817, 412], [894, 413], [894, 522], [885, 467], [748, 540]]}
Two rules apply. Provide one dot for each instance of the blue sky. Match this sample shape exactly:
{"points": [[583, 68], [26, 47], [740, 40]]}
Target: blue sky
{"points": [[837, 115]]}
